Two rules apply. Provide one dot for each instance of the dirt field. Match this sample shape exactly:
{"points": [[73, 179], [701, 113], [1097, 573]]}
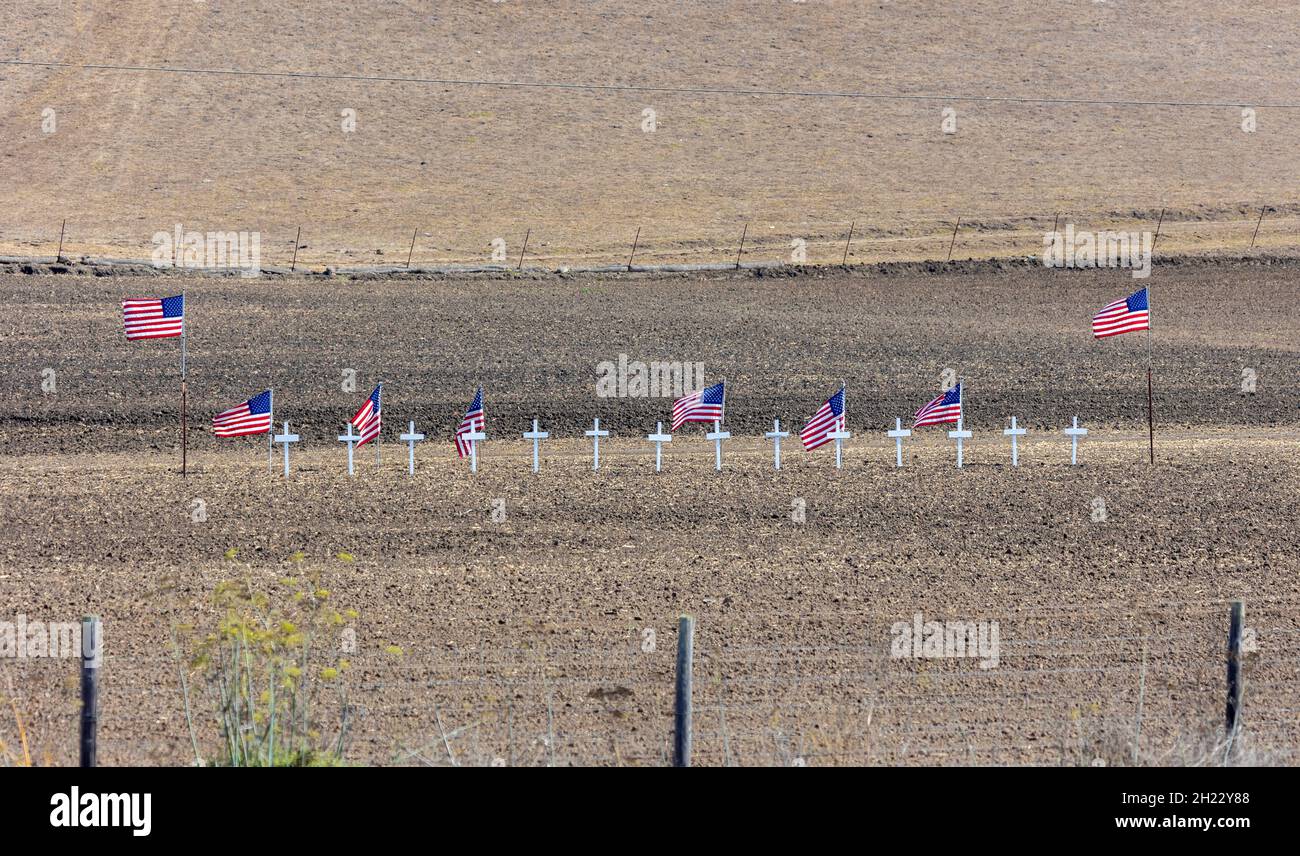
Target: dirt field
{"points": [[131, 153], [548, 635]]}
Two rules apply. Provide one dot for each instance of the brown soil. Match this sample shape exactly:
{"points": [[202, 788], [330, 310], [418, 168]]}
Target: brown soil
{"points": [[525, 639]]}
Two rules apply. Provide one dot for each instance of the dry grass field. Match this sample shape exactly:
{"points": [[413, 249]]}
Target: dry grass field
{"points": [[134, 152], [545, 633]]}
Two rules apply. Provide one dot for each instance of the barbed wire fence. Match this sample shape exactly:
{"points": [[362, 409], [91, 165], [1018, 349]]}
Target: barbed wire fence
{"points": [[1117, 685], [827, 245]]}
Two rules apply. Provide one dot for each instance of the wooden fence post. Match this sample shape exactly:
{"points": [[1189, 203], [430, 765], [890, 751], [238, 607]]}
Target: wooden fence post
{"points": [[91, 660], [682, 710], [635, 241], [1233, 718]]}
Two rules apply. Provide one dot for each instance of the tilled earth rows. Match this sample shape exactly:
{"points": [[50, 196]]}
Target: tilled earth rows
{"points": [[548, 635]]}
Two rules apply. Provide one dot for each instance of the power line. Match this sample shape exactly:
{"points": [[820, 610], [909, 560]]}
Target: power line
{"points": [[667, 90]]}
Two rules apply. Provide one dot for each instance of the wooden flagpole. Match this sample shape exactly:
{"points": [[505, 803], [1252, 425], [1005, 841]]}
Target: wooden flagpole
{"points": [[185, 437]]}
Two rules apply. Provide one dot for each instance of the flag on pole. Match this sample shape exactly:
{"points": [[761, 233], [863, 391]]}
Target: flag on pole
{"points": [[471, 422], [1128, 315], [367, 419], [251, 417], [945, 408], [155, 318], [828, 419], [703, 406]]}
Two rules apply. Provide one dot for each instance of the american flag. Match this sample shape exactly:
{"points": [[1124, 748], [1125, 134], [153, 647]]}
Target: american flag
{"points": [[703, 406], [472, 421], [945, 408], [367, 419], [829, 419], [251, 417], [155, 318], [1123, 316]]}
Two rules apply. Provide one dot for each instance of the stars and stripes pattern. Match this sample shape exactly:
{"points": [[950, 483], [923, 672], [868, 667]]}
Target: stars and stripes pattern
{"points": [[251, 417], [154, 318], [1123, 316], [945, 408], [472, 422], [703, 406], [368, 420], [827, 420]]}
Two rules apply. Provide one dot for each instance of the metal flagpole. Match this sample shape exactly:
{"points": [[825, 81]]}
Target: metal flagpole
{"points": [[1151, 424], [270, 435], [184, 403], [379, 438], [844, 412], [961, 403]]}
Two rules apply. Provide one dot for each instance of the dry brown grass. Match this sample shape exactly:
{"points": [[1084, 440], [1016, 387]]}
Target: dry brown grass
{"points": [[136, 153]]}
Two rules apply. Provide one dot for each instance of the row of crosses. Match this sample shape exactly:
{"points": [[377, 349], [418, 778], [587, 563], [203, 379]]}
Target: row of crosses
{"points": [[962, 434], [716, 436]]}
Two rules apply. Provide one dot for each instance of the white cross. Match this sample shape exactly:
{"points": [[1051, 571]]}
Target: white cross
{"points": [[839, 437], [286, 438], [473, 437], [898, 434], [595, 434], [349, 438], [1075, 433], [411, 438], [537, 437], [776, 435], [1014, 433], [717, 435], [659, 438], [959, 435]]}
